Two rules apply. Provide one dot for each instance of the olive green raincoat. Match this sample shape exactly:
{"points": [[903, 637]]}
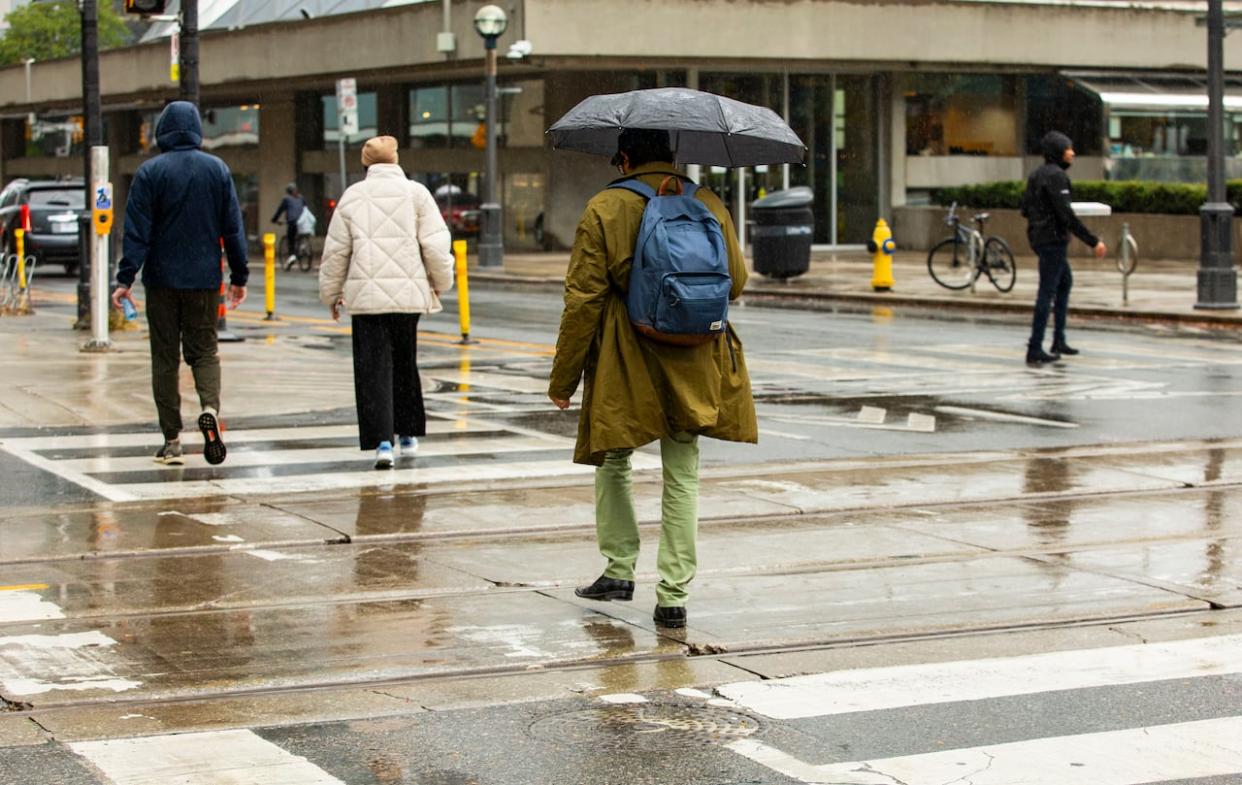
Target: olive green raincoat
{"points": [[637, 390]]}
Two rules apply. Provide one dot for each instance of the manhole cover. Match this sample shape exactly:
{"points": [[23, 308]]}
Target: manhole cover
{"points": [[647, 726]]}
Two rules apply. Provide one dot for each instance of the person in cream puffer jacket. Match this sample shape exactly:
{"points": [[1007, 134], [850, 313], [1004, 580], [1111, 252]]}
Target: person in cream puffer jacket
{"points": [[386, 259]]}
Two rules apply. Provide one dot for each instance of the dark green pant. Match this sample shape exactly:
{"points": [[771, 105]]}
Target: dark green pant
{"points": [[182, 321]]}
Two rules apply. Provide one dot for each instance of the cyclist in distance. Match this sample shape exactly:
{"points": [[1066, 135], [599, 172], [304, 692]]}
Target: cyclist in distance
{"points": [[291, 207]]}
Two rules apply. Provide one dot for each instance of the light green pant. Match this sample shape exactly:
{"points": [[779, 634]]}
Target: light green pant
{"points": [[616, 523]]}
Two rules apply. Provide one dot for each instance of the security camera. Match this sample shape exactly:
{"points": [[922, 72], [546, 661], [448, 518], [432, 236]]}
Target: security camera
{"points": [[520, 49], [306, 14]]}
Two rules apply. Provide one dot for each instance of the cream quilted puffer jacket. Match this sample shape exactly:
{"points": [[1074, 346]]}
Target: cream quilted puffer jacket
{"points": [[387, 249]]}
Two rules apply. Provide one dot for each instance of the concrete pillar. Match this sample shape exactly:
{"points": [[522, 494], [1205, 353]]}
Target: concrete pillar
{"points": [[897, 144], [392, 109], [278, 154]]}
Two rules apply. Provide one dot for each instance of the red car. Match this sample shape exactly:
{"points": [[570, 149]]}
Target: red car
{"points": [[460, 212]]}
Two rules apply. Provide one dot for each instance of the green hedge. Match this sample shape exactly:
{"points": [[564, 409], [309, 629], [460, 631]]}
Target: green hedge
{"points": [[1124, 196]]}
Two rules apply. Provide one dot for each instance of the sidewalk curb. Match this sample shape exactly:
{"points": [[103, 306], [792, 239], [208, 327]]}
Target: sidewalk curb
{"points": [[770, 294]]}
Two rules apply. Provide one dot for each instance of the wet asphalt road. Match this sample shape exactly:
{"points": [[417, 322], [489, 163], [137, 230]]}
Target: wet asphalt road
{"points": [[342, 627]]}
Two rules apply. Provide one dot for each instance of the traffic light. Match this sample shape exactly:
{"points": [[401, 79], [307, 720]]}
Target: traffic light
{"points": [[145, 7]]}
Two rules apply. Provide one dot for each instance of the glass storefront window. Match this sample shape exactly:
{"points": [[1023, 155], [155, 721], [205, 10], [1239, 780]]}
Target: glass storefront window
{"points": [[429, 117], [961, 114], [524, 201], [56, 136], [368, 113], [1054, 104], [223, 127], [469, 113], [453, 115]]}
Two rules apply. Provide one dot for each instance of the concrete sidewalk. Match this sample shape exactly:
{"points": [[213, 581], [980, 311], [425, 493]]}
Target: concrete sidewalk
{"points": [[1159, 290]]}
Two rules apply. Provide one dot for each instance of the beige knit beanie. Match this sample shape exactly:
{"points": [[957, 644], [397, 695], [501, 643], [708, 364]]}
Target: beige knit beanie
{"points": [[379, 150]]}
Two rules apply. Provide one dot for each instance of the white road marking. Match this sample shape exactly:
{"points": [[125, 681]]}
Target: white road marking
{"points": [[874, 689], [1209, 748], [690, 692], [623, 697], [984, 414], [235, 757], [266, 555], [27, 606], [872, 415], [36, 664]]}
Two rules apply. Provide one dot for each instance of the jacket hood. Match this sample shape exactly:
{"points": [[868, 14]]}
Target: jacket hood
{"points": [[179, 127], [1054, 144]]}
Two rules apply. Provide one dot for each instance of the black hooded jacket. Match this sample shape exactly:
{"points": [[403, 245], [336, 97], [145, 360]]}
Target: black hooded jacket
{"points": [[1046, 203], [182, 207]]}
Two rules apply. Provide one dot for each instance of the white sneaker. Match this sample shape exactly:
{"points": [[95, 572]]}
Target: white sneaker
{"points": [[383, 456], [409, 445]]}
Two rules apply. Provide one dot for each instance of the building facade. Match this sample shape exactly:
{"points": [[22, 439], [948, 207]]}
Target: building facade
{"points": [[894, 98]]}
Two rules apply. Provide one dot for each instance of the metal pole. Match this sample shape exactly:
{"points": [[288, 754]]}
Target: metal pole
{"points": [[340, 149], [491, 241], [92, 127], [99, 258], [693, 171], [1218, 280], [785, 117], [189, 52]]}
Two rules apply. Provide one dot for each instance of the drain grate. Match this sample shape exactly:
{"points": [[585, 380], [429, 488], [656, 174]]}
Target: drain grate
{"points": [[647, 726]]}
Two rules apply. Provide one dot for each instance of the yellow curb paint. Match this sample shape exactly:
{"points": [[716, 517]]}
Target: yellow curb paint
{"points": [[24, 587]]}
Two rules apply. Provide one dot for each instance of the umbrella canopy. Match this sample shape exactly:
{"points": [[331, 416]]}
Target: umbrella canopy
{"points": [[703, 128]]}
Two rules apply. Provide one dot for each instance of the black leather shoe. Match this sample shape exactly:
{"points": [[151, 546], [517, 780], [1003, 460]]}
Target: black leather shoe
{"points": [[1063, 348], [1040, 357], [606, 588], [669, 616]]}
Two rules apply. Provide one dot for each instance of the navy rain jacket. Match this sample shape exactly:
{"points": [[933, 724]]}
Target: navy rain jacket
{"points": [[181, 204]]}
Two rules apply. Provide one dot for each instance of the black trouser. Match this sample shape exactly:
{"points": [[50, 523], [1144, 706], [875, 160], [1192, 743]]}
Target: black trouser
{"points": [[1055, 281], [291, 237], [386, 383], [183, 321]]}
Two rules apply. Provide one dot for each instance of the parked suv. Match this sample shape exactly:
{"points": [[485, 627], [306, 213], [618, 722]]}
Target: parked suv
{"points": [[49, 210]]}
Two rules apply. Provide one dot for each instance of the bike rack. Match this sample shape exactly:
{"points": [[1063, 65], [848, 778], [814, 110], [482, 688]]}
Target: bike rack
{"points": [[15, 299], [1127, 260]]}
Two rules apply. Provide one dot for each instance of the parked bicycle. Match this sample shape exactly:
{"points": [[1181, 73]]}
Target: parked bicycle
{"points": [[956, 262], [302, 255]]}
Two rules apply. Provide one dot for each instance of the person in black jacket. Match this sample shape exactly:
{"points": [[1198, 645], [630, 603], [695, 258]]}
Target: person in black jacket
{"points": [[1050, 220], [182, 207], [291, 207]]}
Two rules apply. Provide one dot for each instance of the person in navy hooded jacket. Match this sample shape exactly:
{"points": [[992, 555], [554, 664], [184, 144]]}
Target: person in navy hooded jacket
{"points": [[182, 208]]}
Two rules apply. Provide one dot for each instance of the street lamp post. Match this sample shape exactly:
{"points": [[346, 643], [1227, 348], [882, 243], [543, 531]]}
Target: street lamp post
{"points": [[1218, 280], [189, 52], [490, 23], [92, 126]]}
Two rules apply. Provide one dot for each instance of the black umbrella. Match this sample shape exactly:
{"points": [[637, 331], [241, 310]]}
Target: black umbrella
{"points": [[703, 128]]}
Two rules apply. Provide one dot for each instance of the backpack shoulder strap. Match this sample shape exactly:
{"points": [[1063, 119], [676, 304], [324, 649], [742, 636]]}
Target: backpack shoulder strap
{"points": [[688, 187], [637, 186]]}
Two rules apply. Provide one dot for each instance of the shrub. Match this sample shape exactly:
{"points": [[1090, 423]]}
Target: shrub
{"points": [[1124, 196]]}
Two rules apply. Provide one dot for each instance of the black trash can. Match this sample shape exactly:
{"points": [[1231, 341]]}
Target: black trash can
{"points": [[782, 230]]}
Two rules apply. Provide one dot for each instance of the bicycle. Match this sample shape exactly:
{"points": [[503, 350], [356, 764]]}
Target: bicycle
{"points": [[302, 256], [956, 262]]}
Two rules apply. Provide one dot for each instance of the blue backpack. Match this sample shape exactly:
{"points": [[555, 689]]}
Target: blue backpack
{"points": [[680, 283]]}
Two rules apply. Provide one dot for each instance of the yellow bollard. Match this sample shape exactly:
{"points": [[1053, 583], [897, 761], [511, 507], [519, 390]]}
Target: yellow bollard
{"points": [[463, 291], [269, 275], [22, 303], [19, 235], [882, 246]]}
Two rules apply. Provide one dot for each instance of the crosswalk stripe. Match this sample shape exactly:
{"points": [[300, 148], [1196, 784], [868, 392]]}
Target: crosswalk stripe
{"points": [[875, 689], [1207, 748], [234, 757], [459, 447]]}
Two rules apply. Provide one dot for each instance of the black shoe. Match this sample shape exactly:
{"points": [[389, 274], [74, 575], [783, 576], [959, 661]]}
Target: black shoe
{"points": [[606, 588], [213, 445], [1063, 348], [1040, 357], [170, 454], [672, 617]]}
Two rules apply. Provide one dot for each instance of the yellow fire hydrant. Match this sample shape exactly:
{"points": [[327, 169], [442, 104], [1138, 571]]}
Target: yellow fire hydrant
{"points": [[882, 246]]}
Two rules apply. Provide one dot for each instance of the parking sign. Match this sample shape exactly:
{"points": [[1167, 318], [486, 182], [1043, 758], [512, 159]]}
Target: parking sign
{"points": [[347, 105]]}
